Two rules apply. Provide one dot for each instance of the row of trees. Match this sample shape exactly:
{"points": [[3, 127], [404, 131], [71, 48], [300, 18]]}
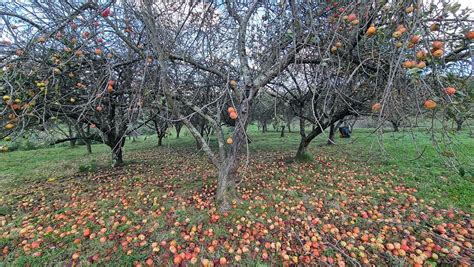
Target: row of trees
{"points": [[117, 66]]}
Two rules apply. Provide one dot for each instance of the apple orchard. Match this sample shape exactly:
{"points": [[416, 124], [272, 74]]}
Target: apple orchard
{"points": [[111, 68]]}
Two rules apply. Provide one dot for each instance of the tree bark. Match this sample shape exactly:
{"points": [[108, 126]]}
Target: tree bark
{"points": [[160, 131], [116, 143], [160, 140], [178, 127], [302, 149], [226, 183], [459, 125], [331, 134], [88, 147], [395, 125], [282, 132], [87, 141], [72, 142], [117, 155], [228, 176], [201, 132], [288, 125]]}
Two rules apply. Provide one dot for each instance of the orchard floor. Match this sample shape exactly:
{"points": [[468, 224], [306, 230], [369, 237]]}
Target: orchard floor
{"points": [[350, 205]]}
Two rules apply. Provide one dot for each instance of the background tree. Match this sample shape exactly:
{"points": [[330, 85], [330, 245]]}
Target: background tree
{"points": [[263, 111], [72, 66]]}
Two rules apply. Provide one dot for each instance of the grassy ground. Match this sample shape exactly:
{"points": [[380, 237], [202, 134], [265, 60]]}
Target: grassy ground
{"points": [[417, 160], [350, 204]]}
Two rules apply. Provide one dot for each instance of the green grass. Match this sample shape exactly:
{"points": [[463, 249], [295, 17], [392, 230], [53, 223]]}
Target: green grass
{"points": [[165, 191], [416, 159]]}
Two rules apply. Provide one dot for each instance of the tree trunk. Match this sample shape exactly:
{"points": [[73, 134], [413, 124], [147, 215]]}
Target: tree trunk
{"points": [[459, 125], [88, 147], [160, 140], [282, 132], [395, 125], [331, 134], [178, 127], [203, 128], [226, 191], [72, 143], [302, 125], [302, 149], [160, 131], [117, 156], [289, 126], [198, 144], [228, 176], [264, 127], [305, 141], [87, 141], [116, 144]]}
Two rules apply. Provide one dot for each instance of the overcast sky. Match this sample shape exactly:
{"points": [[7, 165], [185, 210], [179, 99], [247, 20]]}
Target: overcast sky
{"points": [[468, 3]]}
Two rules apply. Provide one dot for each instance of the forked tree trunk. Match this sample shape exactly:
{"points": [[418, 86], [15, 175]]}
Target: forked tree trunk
{"points": [[306, 140]]}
